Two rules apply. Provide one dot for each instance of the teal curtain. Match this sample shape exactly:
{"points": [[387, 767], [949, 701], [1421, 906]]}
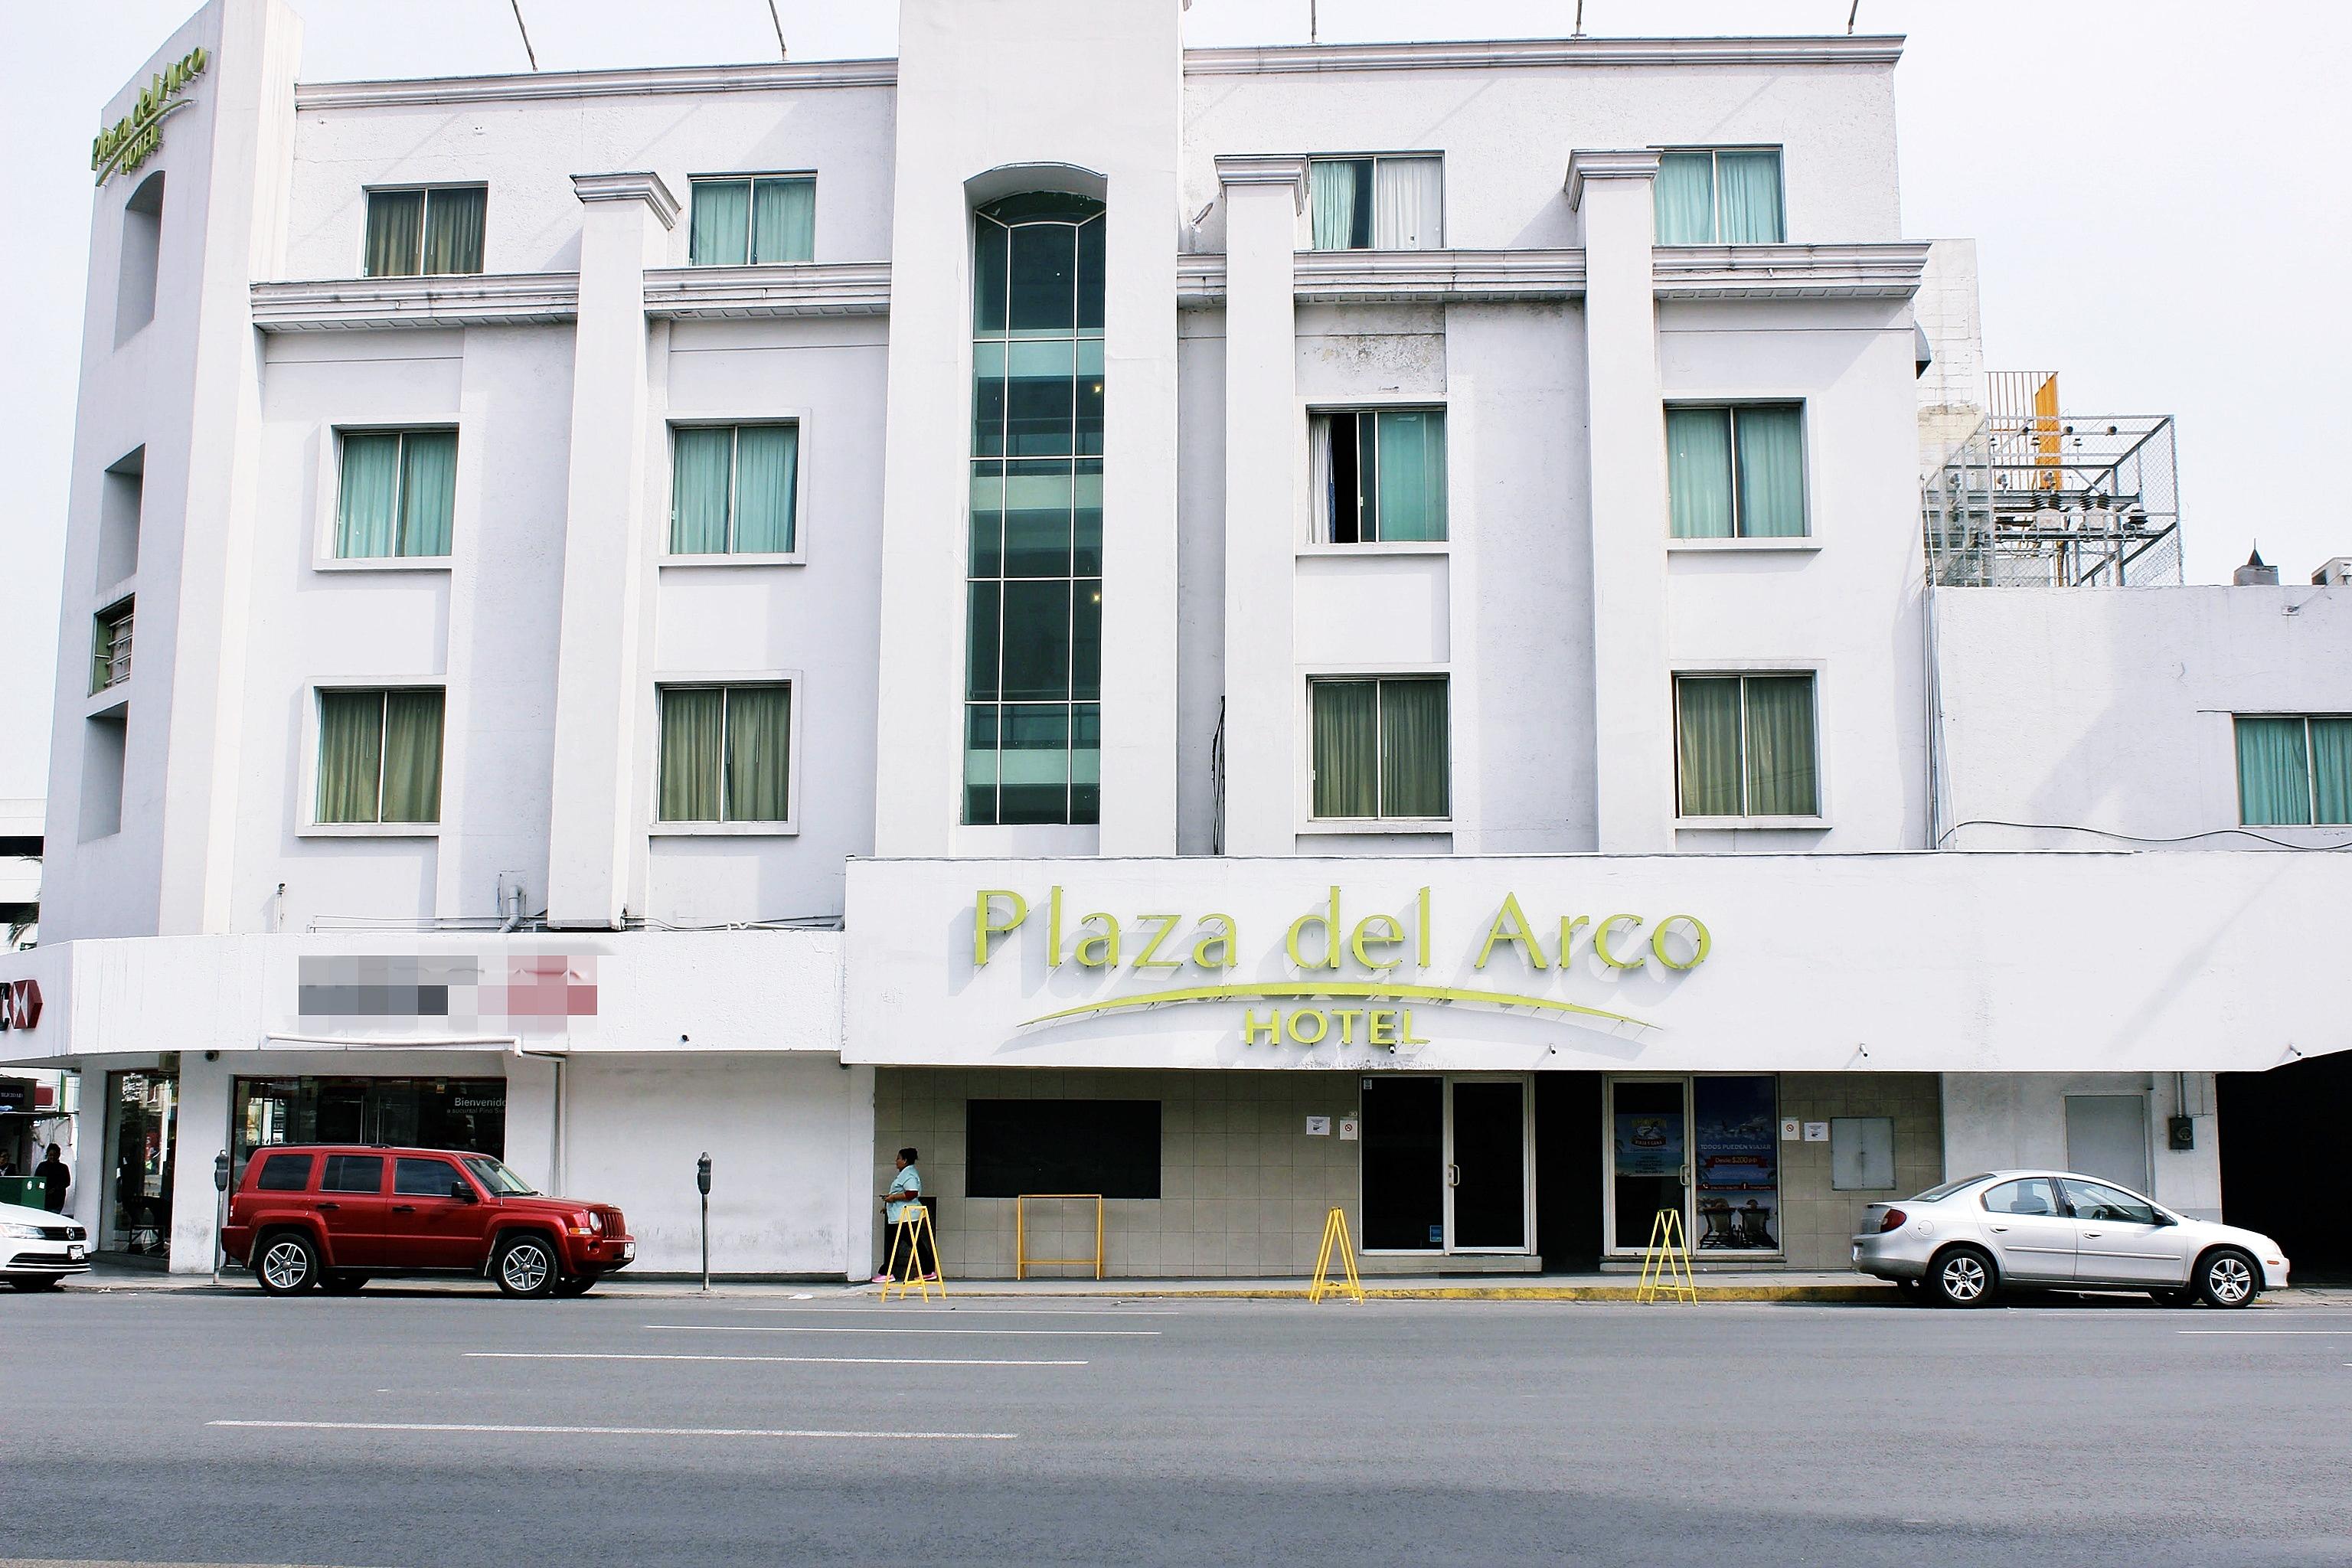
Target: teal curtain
{"points": [[395, 234], [693, 732], [1771, 472], [1411, 474], [351, 754], [783, 220], [2331, 768], [2273, 772], [1684, 198], [702, 462], [367, 513], [453, 228], [1414, 762], [767, 465], [719, 233], [1332, 196], [1347, 748], [759, 753], [1698, 472], [411, 756], [1748, 198], [428, 491], [1780, 772], [1706, 744]]}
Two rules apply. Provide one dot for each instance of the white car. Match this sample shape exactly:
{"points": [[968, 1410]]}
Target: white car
{"points": [[39, 1248], [1962, 1242]]}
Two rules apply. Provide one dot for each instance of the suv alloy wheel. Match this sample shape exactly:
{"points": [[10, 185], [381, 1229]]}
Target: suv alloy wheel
{"points": [[526, 1266], [286, 1264]]}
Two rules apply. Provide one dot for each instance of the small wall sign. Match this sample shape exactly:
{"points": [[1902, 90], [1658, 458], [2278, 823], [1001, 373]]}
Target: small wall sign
{"points": [[1318, 1127], [1817, 1131], [1792, 1130], [1348, 1130]]}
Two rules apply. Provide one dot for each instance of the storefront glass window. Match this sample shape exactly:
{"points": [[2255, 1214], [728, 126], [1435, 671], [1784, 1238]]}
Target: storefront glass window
{"points": [[1735, 1123], [142, 1149], [465, 1114]]}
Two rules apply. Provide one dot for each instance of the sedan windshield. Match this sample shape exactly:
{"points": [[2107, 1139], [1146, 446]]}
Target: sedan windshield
{"points": [[501, 1181], [1935, 1193]]}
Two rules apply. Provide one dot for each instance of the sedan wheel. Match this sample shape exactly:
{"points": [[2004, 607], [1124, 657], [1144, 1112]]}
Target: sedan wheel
{"points": [[287, 1264], [1961, 1278], [2227, 1278], [35, 1281], [526, 1267]]}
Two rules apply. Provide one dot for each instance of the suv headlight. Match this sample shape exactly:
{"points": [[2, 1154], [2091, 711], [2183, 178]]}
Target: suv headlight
{"points": [[21, 1232], [596, 1222]]}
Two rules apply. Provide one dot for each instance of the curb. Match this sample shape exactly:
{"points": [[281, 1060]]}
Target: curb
{"points": [[1796, 1293]]}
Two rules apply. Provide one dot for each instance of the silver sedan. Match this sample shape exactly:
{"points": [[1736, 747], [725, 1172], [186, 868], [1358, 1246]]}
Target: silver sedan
{"points": [[1962, 1242]]}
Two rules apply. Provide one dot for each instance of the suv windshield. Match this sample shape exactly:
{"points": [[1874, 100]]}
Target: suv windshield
{"points": [[1947, 1189], [501, 1181]]}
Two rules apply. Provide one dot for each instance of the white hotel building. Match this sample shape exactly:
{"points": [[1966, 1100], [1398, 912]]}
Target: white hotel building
{"points": [[1380, 588]]}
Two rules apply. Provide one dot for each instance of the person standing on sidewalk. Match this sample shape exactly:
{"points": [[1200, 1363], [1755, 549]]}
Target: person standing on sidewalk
{"points": [[54, 1179], [902, 1205]]}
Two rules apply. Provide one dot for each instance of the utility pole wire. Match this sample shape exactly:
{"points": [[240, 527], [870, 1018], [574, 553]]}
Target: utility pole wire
{"points": [[529, 53], [781, 52]]}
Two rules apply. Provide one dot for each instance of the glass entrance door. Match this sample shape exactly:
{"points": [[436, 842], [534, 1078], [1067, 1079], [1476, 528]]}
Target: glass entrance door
{"points": [[1405, 1165], [1648, 1158], [1487, 1164], [1446, 1164]]}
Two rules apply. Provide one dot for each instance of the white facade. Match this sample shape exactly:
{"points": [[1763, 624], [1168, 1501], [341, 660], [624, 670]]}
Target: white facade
{"points": [[189, 878]]}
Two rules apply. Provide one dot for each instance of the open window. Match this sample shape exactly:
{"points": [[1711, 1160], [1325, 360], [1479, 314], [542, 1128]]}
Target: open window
{"points": [[1377, 476], [1376, 202]]}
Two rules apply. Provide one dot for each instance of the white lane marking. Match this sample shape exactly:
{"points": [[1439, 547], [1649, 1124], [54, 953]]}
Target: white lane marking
{"points": [[796, 1360], [2331, 1333], [604, 1431], [982, 1311], [823, 1329]]}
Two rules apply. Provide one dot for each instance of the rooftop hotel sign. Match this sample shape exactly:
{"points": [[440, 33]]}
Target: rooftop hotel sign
{"points": [[133, 139]]}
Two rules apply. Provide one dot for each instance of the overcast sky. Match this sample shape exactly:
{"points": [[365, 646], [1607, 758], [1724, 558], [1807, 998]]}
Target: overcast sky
{"points": [[2153, 187]]}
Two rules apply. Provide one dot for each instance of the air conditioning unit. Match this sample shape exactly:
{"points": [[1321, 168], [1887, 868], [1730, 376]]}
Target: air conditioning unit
{"points": [[2335, 573]]}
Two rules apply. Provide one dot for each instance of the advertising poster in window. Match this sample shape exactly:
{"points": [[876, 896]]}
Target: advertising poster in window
{"points": [[1736, 1127], [1649, 1143]]}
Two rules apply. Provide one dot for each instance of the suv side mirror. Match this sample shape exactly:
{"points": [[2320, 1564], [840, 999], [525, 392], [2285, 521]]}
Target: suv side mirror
{"points": [[462, 1193]]}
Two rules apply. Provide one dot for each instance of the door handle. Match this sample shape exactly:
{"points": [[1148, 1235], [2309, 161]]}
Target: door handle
{"points": [[403, 1208], [1452, 1176], [331, 1205], [1998, 1229], [2092, 1235]]}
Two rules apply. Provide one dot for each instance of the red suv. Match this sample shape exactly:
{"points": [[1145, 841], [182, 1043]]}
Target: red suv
{"points": [[336, 1215]]}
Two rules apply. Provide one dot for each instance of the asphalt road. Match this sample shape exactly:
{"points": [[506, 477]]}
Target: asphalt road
{"points": [[424, 1430]]}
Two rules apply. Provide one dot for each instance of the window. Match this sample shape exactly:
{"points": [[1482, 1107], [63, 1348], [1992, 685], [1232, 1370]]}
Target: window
{"points": [[417, 232], [1745, 745], [754, 220], [726, 754], [1380, 748], [142, 254], [416, 1178], [285, 1174], [1862, 1154], [380, 756], [2033, 1196], [1106, 1146], [110, 653], [1719, 195], [105, 742], [2107, 1204], [398, 495], [1736, 472], [2294, 769], [353, 1173], [1378, 475], [122, 495], [1032, 688], [1376, 202], [733, 490]]}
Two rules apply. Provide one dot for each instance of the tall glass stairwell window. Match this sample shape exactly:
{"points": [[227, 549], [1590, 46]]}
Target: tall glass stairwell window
{"points": [[1033, 685]]}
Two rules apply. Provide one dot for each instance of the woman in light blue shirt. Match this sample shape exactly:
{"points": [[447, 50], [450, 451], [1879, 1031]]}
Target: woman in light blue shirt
{"points": [[902, 1205]]}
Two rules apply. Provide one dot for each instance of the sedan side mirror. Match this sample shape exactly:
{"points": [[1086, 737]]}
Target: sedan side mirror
{"points": [[462, 1193]]}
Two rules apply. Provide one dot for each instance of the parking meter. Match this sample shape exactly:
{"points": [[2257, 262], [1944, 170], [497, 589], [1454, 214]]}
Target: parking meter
{"points": [[220, 1171], [702, 1181], [702, 1175], [220, 1218]]}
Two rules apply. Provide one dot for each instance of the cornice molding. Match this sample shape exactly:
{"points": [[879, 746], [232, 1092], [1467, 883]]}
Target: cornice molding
{"points": [[346, 304], [638, 81], [1883, 271], [1536, 53], [789, 289], [1402, 277], [630, 185], [1264, 169], [1607, 164]]}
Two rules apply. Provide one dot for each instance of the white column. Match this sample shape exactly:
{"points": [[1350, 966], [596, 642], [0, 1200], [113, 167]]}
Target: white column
{"points": [[1263, 196], [596, 831], [1633, 739]]}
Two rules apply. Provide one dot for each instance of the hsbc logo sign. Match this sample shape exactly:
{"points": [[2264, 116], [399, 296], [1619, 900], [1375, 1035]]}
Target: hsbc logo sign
{"points": [[20, 1003]]}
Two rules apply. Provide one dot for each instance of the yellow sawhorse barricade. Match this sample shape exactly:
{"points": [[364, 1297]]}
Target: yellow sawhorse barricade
{"points": [[1023, 1262], [1666, 1263], [922, 1241], [1336, 1246]]}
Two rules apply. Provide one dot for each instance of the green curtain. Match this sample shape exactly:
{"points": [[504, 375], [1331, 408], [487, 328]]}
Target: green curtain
{"points": [[702, 460], [1747, 197], [2331, 768], [395, 228], [1347, 748], [1698, 472], [1684, 198], [1411, 474], [411, 756], [453, 228], [759, 753], [1771, 472], [428, 491], [767, 463], [783, 220], [1781, 781], [1414, 768], [720, 234], [1332, 196], [351, 754], [2273, 772], [693, 727], [1706, 744], [367, 513]]}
